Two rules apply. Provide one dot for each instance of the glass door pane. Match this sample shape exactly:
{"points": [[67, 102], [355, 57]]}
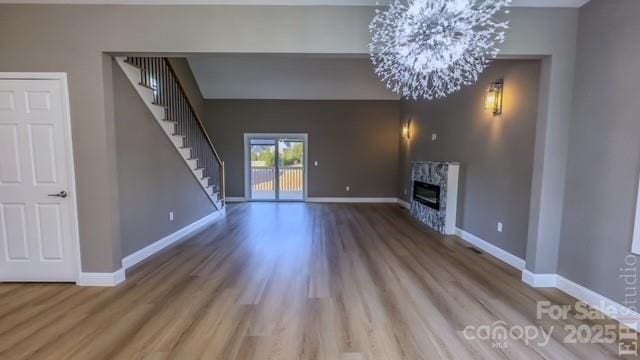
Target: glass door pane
{"points": [[290, 169], [263, 169]]}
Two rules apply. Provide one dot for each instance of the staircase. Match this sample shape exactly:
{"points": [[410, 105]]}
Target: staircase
{"points": [[160, 89]]}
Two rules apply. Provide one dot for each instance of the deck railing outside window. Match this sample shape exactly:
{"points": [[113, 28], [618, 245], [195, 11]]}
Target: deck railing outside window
{"points": [[263, 178]]}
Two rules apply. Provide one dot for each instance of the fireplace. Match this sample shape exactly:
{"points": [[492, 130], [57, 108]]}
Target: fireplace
{"points": [[427, 194], [434, 199]]}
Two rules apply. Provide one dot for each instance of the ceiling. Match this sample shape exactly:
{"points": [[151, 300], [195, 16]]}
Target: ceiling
{"points": [[516, 3], [295, 77]]}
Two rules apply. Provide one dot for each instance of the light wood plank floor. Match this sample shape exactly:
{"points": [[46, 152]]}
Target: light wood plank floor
{"points": [[291, 281]]}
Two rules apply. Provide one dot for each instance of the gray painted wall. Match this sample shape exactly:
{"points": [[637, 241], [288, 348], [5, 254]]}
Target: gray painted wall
{"points": [[152, 177], [73, 39], [553, 35], [496, 153], [355, 142], [288, 77], [604, 151]]}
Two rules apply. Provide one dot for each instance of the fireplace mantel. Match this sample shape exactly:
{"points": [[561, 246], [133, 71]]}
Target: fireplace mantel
{"points": [[428, 179]]}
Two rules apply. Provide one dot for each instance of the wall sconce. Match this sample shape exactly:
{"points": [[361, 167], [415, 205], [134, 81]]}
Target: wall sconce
{"points": [[493, 102], [406, 129]]}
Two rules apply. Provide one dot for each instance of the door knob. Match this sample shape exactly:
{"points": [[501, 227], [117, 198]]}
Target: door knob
{"points": [[62, 194]]}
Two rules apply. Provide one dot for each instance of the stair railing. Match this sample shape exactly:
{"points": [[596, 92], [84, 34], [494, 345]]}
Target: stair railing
{"points": [[168, 92]]}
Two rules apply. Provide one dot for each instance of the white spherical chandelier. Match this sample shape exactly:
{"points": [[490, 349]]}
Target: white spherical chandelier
{"points": [[425, 49]]}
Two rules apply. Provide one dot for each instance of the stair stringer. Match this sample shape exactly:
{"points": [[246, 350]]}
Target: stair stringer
{"points": [[146, 94]]}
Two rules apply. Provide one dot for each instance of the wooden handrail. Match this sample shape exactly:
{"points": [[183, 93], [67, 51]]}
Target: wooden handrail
{"points": [[200, 124], [202, 128]]}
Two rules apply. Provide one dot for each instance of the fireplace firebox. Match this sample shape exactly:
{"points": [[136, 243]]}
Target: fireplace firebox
{"points": [[427, 194], [434, 198]]}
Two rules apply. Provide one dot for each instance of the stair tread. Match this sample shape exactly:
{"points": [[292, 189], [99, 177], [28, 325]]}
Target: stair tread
{"points": [[147, 86], [134, 65], [212, 189]]}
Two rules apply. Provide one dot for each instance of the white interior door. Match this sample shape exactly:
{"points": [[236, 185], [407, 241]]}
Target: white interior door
{"points": [[37, 214]]}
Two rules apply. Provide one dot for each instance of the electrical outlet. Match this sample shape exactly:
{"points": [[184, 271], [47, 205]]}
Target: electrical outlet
{"points": [[405, 191], [499, 227], [170, 215], [434, 137], [348, 188]]}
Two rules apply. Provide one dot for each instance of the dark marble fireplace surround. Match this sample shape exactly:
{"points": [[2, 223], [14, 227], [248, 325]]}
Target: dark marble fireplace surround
{"points": [[445, 176]]}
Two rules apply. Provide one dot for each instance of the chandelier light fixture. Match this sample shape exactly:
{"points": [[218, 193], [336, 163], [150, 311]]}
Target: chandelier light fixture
{"points": [[426, 49]]}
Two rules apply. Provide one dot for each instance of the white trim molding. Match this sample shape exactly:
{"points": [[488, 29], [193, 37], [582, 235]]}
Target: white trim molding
{"points": [[404, 204], [69, 155], [603, 304], [370, 200], [612, 309], [380, 200], [118, 276], [275, 137], [538, 280], [101, 279], [146, 94], [138, 256], [491, 249]]}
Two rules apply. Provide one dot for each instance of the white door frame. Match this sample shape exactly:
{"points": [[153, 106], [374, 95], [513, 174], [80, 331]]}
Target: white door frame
{"points": [[247, 158], [66, 115]]}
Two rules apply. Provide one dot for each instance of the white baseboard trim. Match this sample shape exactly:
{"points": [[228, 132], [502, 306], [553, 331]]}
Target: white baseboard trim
{"points": [[404, 204], [151, 249], [118, 276], [539, 280], [383, 200], [614, 310], [352, 200], [101, 279], [491, 249], [603, 304]]}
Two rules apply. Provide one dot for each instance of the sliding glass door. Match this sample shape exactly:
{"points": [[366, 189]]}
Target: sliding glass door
{"points": [[276, 166], [290, 169], [263, 169]]}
